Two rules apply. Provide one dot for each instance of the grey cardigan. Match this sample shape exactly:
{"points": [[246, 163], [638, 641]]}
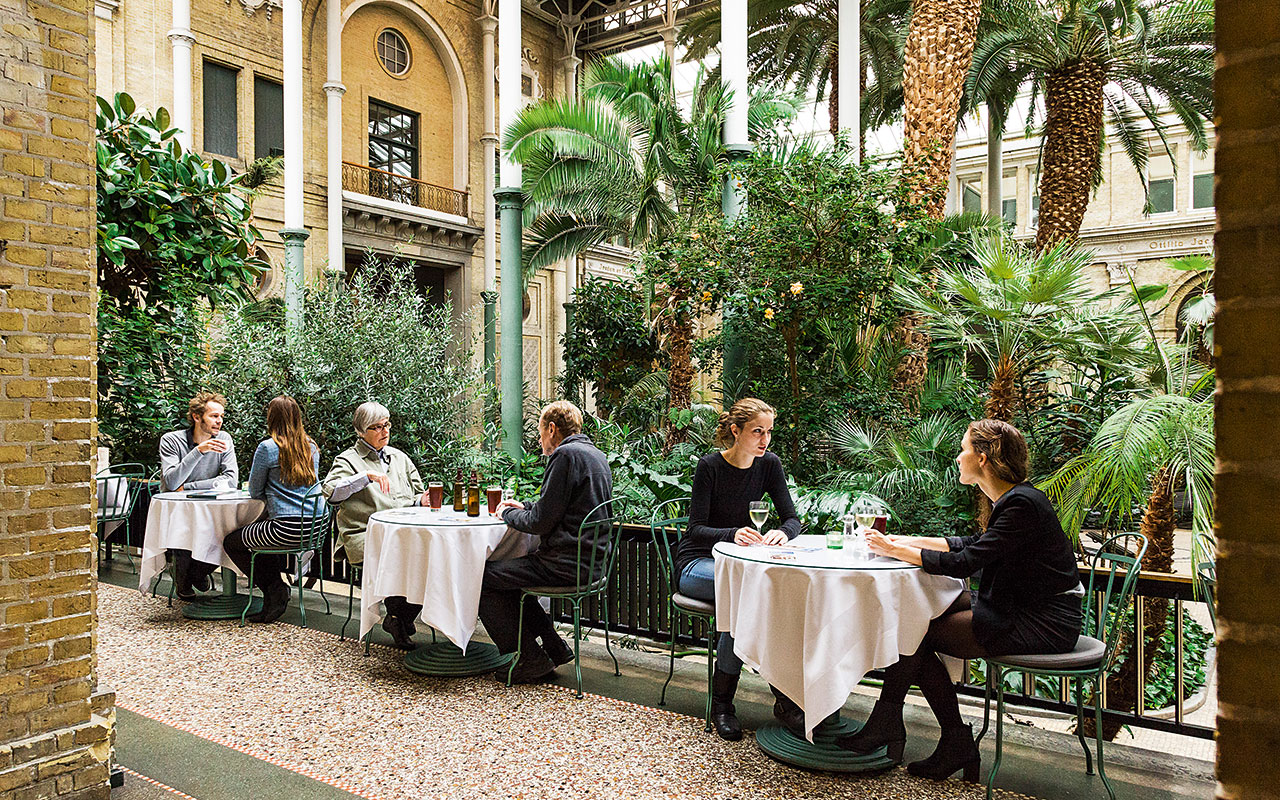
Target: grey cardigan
{"points": [[181, 464]]}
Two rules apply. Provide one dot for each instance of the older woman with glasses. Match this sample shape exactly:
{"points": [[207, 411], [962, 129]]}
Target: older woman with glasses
{"points": [[368, 477]]}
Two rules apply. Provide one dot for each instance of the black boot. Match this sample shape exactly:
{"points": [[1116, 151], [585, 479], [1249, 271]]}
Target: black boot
{"points": [[788, 713], [956, 750], [275, 601], [883, 728], [723, 715], [557, 649]]}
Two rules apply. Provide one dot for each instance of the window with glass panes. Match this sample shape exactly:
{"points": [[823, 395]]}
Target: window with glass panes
{"points": [[221, 133], [1009, 198], [1033, 183], [393, 139], [1161, 187], [971, 195], [268, 117], [1202, 179]]}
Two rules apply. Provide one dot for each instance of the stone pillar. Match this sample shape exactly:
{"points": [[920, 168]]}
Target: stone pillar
{"points": [[56, 721], [334, 90], [849, 47], [293, 233], [182, 40], [510, 206], [1247, 344], [489, 140], [569, 65], [737, 143]]}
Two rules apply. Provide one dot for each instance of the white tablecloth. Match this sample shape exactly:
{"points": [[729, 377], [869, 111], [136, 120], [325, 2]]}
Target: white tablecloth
{"points": [[814, 621], [435, 558], [177, 521]]}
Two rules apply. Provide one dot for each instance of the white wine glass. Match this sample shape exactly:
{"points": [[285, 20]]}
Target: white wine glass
{"points": [[759, 510]]}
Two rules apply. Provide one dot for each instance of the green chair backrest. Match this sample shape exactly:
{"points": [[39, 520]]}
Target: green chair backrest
{"points": [[667, 524], [603, 521], [118, 488], [1206, 576], [1113, 574], [315, 520]]}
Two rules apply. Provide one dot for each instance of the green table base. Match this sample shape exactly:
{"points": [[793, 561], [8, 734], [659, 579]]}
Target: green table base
{"points": [[228, 605], [822, 754], [446, 660]]}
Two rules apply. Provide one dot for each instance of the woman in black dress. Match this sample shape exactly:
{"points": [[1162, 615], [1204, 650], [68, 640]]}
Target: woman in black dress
{"points": [[1028, 599], [725, 484]]}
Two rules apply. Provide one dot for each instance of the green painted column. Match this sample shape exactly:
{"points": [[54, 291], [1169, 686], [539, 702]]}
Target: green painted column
{"points": [[733, 200], [490, 336], [294, 252], [510, 208], [570, 309]]}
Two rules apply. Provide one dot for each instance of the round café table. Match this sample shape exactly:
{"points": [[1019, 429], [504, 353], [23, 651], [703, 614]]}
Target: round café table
{"points": [[436, 558], [179, 520], [813, 622]]}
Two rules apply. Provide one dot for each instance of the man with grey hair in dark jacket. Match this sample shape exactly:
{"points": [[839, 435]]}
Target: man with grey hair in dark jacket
{"points": [[577, 480]]}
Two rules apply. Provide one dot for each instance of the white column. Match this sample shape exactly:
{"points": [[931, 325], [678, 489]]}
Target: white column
{"points": [[733, 70], [669, 39], [181, 38], [569, 69], [509, 49], [995, 166], [489, 139], [334, 90], [849, 42], [294, 232]]}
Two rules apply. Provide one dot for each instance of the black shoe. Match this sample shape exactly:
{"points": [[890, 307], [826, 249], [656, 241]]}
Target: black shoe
{"points": [[723, 715], [788, 713], [557, 649], [883, 728], [202, 583], [532, 668], [956, 751], [274, 604], [401, 633]]}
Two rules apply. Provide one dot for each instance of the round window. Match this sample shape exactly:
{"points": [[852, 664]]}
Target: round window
{"points": [[393, 52]]}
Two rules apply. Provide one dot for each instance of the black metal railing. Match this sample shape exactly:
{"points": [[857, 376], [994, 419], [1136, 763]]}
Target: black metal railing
{"points": [[402, 189]]}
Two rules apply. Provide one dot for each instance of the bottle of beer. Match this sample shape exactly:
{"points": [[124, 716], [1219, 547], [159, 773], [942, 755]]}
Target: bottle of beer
{"points": [[473, 495], [459, 492]]}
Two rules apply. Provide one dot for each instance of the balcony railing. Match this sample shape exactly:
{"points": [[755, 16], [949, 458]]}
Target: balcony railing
{"points": [[401, 189]]}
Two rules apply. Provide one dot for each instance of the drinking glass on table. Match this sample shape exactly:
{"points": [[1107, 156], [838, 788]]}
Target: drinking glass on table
{"points": [[759, 511], [493, 496], [435, 495]]}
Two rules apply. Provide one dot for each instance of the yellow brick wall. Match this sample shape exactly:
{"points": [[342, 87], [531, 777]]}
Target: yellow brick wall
{"points": [[54, 732]]}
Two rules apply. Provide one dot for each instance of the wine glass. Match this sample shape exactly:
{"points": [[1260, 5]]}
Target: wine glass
{"points": [[759, 510]]}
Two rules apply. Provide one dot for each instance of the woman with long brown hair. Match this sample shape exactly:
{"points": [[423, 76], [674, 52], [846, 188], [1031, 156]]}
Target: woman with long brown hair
{"points": [[285, 468], [1028, 599]]}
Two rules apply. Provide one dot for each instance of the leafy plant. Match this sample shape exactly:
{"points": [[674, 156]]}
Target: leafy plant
{"points": [[611, 345]]}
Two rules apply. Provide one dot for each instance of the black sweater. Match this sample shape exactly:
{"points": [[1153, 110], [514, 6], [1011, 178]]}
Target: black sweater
{"points": [[721, 503], [577, 480], [1027, 564]]}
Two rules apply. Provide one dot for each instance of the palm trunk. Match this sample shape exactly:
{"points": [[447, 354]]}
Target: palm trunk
{"points": [[1072, 148], [680, 377], [1158, 526], [939, 51], [833, 92], [1002, 403]]}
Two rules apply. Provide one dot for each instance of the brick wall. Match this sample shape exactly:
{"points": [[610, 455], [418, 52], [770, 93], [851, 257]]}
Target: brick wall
{"points": [[1248, 344], [55, 726]]}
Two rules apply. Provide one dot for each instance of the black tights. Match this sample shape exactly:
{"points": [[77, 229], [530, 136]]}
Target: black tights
{"points": [[952, 634]]}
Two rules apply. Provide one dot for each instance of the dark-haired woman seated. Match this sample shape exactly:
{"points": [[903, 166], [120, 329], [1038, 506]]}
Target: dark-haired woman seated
{"points": [[724, 486], [1028, 599]]}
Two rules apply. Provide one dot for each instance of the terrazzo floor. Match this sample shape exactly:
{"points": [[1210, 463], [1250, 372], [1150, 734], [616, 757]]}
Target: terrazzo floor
{"points": [[305, 701]]}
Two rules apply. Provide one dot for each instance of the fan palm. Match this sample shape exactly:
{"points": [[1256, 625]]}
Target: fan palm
{"points": [[1125, 60], [792, 44]]}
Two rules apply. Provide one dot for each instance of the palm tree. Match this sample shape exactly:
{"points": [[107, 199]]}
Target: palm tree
{"points": [[1125, 60], [792, 45], [1142, 454]]}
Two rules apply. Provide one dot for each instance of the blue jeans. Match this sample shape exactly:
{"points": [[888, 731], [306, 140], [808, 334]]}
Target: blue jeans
{"points": [[698, 581]]}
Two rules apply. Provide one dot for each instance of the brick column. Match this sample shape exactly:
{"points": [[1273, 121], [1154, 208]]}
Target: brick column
{"points": [[1247, 197], [55, 726]]}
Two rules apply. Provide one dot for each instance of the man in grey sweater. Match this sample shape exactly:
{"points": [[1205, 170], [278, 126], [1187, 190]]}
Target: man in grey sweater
{"points": [[196, 458]]}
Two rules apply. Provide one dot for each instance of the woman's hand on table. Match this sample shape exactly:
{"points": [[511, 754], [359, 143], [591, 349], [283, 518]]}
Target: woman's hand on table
{"points": [[747, 537], [883, 545], [380, 480], [775, 537]]}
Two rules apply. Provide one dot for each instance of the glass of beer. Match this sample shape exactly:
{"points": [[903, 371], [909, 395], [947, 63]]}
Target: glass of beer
{"points": [[493, 496], [435, 495]]}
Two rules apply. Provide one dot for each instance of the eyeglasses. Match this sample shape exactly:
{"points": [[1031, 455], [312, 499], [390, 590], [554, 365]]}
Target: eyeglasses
{"points": [[381, 426]]}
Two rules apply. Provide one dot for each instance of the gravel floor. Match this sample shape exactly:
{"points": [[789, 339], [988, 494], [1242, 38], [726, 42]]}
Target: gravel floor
{"points": [[305, 700]]}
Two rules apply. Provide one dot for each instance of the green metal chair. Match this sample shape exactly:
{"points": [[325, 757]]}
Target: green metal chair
{"points": [[668, 524], [315, 527], [591, 580], [118, 487], [1206, 576], [1112, 576]]}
